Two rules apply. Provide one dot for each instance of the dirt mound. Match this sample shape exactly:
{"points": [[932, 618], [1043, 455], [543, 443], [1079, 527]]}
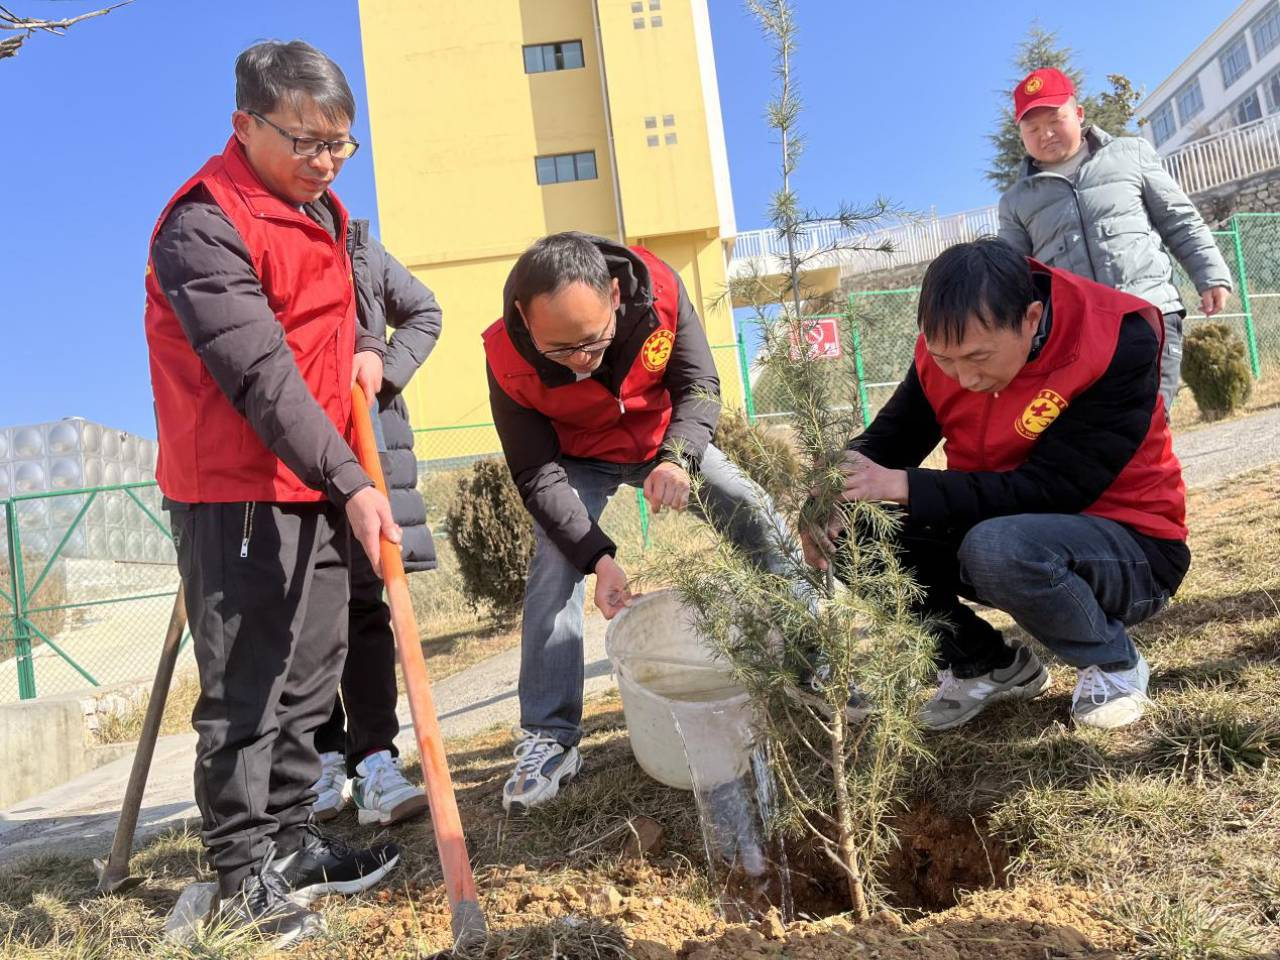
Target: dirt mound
{"points": [[639, 912]]}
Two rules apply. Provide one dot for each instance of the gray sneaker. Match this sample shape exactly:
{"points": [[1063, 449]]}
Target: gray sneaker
{"points": [[959, 700]]}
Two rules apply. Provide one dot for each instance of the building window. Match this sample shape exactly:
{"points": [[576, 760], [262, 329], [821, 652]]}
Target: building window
{"points": [[655, 4], [545, 57], [652, 140], [1266, 31], [1234, 60], [565, 167], [655, 21], [668, 119], [1163, 126], [650, 123], [1189, 100], [670, 138], [1247, 109], [1271, 87], [638, 23], [637, 7]]}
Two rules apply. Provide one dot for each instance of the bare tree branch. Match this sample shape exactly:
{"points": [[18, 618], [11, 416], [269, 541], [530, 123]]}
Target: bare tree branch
{"points": [[24, 28]]}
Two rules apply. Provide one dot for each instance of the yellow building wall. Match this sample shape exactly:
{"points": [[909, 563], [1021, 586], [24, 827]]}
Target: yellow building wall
{"points": [[456, 124]]}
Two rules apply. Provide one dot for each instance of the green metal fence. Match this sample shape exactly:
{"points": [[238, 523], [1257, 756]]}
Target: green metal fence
{"points": [[85, 597], [87, 581], [881, 324]]}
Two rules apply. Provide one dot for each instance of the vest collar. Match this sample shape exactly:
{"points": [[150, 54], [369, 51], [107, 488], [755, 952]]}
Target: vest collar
{"points": [[261, 201]]}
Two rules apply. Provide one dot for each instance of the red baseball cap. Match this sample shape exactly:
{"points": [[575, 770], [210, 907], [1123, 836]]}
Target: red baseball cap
{"points": [[1045, 87]]}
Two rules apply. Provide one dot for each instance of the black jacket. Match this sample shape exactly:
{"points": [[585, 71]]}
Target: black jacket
{"points": [[529, 438], [388, 294]]}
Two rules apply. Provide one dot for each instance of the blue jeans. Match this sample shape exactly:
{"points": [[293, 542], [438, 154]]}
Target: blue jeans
{"points": [[1074, 582], [551, 658]]}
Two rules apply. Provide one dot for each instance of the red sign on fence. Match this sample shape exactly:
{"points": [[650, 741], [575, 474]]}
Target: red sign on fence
{"points": [[822, 339]]}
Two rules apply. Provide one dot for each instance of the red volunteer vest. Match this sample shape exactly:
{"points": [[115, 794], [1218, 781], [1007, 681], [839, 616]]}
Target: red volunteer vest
{"points": [[208, 451], [997, 432], [590, 421]]}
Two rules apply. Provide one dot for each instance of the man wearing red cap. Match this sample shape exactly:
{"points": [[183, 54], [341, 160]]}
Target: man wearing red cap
{"points": [[1100, 206]]}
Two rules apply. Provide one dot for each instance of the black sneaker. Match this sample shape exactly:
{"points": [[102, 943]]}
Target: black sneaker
{"points": [[263, 904], [325, 865]]}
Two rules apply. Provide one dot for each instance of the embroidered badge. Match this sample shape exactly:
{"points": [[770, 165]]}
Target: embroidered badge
{"points": [[1040, 412], [1034, 85], [657, 350]]}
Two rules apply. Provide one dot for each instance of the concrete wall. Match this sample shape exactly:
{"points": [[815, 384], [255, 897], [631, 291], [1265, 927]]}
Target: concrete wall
{"points": [[44, 743]]}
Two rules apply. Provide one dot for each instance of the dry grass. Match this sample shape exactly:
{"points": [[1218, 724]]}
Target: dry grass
{"points": [[1168, 831]]}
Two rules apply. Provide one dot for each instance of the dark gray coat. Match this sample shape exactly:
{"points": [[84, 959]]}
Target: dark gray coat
{"points": [[388, 294], [1110, 221]]}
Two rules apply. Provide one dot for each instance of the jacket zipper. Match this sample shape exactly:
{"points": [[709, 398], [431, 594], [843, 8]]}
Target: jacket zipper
{"points": [[1075, 197], [248, 529], [1084, 235]]}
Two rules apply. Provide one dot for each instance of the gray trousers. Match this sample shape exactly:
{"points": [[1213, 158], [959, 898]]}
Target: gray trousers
{"points": [[267, 589], [551, 657], [1171, 359]]}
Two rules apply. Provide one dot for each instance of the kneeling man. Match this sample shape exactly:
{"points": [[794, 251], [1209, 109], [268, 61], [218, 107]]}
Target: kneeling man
{"points": [[1061, 504]]}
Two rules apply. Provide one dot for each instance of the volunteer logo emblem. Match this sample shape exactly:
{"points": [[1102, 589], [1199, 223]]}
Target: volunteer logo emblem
{"points": [[657, 350], [1040, 412], [1034, 85]]}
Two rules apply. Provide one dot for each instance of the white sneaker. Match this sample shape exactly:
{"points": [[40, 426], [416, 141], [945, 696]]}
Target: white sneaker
{"points": [[381, 793], [541, 765], [1110, 700], [331, 788]]}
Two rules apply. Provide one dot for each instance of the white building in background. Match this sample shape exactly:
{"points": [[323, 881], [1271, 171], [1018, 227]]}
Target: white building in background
{"points": [[1231, 79]]}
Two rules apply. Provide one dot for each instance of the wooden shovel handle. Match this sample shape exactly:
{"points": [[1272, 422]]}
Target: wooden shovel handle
{"points": [[450, 841]]}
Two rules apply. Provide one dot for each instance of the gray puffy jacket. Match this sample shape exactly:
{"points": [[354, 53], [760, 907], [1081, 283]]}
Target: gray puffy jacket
{"points": [[1108, 222], [388, 294]]}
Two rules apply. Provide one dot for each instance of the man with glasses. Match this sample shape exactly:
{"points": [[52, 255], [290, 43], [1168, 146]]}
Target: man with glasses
{"points": [[599, 375], [251, 328]]}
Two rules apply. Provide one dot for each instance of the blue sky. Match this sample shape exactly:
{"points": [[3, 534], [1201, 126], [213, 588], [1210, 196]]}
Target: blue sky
{"points": [[104, 123]]}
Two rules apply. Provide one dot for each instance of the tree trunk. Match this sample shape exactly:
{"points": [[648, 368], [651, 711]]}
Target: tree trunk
{"points": [[848, 851]]}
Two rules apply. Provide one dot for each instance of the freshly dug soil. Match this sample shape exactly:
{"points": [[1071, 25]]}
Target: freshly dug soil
{"points": [[639, 912]]}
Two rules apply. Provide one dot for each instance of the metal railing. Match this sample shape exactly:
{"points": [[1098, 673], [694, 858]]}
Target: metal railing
{"points": [[912, 241], [1225, 157]]}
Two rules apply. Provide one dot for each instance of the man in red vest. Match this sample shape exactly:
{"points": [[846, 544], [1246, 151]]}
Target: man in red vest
{"points": [[250, 323], [599, 375], [1062, 503]]}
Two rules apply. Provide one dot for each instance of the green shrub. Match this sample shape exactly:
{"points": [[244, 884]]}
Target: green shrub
{"points": [[1214, 367], [763, 454], [492, 536]]}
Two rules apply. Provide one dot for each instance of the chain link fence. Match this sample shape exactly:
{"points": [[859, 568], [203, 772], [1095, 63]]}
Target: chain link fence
{"points": [[88, 576], [879, 329], [87, 585]]}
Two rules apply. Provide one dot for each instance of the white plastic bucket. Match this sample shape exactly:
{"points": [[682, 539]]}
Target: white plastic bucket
{"points": [[670, 680]]}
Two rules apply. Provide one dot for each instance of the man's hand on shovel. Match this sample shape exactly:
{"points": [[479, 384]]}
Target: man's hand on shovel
{"points": [[369, 513]]}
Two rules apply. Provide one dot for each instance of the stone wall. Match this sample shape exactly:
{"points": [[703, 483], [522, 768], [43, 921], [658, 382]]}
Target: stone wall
{"points": [[1260, 194]]}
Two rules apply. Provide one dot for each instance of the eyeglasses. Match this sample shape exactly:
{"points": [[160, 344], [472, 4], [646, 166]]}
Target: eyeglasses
{"points": [[591, 348], [312, 146]]}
